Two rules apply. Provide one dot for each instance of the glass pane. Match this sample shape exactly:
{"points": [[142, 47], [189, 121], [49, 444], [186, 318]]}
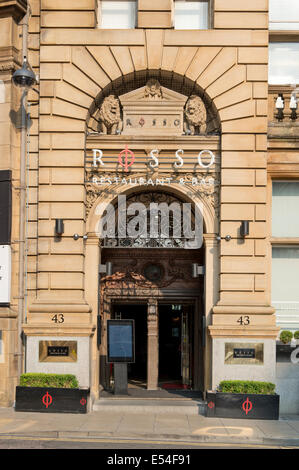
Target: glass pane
{"points": [[284, 63], [285, 292], [191, 15], [285, 209], [284, 14], [118, 15]]}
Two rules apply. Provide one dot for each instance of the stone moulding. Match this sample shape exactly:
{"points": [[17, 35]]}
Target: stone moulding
{"points": [[40, 329], [15, 8], [222, 331]]}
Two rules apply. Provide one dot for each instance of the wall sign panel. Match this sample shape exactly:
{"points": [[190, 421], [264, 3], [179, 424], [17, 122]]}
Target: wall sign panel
{"points": [[244, 353], [5, 273]]}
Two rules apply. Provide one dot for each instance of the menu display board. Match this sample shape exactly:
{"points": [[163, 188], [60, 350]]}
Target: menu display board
{"points": [[121, 341]]}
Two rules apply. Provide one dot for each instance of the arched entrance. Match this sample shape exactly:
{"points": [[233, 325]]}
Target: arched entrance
{"points": [[152, 283], [154, 145]]}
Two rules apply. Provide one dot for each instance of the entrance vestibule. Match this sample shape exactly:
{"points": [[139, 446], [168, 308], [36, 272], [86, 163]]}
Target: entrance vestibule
{"points": [[175, 339]]}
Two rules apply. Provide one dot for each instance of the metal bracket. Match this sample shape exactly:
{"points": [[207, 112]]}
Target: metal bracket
{"points": [[105, 268], [197, 270]]}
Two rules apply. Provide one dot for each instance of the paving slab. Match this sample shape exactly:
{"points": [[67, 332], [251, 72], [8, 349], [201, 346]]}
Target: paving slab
{"points": [[140, 424], [102, 422], [154, 425], [277, 429], [169, 424]]}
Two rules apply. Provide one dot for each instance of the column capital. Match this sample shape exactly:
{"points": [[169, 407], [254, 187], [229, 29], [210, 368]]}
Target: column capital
{"points": [[210, 239]]}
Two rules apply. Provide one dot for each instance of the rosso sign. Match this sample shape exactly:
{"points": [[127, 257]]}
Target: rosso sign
{"points": [[126, 158]]}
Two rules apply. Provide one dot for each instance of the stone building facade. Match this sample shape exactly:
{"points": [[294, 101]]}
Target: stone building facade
{"points": [[106, 103]]}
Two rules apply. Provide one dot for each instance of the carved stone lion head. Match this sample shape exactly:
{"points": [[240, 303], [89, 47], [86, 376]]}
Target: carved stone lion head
{"points": [[195, 112], [110, 111]]}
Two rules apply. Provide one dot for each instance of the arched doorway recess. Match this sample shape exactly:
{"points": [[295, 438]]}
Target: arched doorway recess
{"points": [[120, 160]]}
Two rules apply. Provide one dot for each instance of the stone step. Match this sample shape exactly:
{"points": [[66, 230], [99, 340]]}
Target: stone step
{"points": [[150, 406]]}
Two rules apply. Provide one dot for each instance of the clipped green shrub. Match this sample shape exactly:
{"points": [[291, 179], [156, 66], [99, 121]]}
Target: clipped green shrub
{"points": [[247, 386], [286, 336], [296, 334], [49, 380]]}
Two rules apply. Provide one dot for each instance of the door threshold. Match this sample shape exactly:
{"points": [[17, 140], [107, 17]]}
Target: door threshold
{"points": [[160, 394]]}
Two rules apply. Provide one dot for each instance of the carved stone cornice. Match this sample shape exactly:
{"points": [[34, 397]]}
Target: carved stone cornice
{"points": [[15, 8], [8, 59]]}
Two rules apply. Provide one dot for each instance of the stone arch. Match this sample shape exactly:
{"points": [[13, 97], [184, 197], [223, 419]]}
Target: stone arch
{"points": [[93, 70]]}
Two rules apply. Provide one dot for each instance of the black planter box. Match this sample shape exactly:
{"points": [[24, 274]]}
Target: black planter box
{"points": [[51, 400], [242, 406]]}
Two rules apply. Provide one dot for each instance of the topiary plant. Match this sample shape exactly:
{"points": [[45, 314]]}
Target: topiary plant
{"points": [[286, 336], [48, 380], [296, 334], [246, 386]]}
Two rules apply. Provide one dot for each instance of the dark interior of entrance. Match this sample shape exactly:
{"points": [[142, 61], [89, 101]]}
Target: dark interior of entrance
{"points": [[175, 346]]}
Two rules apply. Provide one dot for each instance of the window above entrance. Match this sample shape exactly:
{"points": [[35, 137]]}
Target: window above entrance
{"points": [[191, 14], [120, 14]]}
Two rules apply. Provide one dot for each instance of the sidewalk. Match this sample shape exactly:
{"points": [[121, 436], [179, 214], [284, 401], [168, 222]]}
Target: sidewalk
{"points": [[149, 426]]}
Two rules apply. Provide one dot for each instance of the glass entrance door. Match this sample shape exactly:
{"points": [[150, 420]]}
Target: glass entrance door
{"points": [[175, 346]]}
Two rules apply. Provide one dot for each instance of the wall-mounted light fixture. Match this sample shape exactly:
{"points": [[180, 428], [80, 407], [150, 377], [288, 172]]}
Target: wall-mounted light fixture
{"points": [[76, 236], [59, 227], [293, 107], [24, 77], [244, 229], [279, 105], [197, 270], [106, 268]]}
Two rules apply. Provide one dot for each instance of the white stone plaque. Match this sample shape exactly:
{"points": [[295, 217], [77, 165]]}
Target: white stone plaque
{"points": [[5, 273]]}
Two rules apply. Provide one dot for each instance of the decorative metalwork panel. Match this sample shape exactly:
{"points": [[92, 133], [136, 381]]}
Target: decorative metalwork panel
{"points": [[162, 230]]}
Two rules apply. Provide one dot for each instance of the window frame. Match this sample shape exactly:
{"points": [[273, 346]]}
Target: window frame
{"points": [[99, 14], [282, 22], [280, 242], [281, 38], [210, 16]]}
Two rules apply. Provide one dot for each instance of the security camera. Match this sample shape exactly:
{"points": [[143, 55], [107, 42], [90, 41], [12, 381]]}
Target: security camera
{"points": [[24, 77]]}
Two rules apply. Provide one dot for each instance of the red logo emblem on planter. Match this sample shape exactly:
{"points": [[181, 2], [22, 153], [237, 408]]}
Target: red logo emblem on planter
{"points": [[247, 406], [211, 404], [47, 400], [83, 401], [126, 158]]}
